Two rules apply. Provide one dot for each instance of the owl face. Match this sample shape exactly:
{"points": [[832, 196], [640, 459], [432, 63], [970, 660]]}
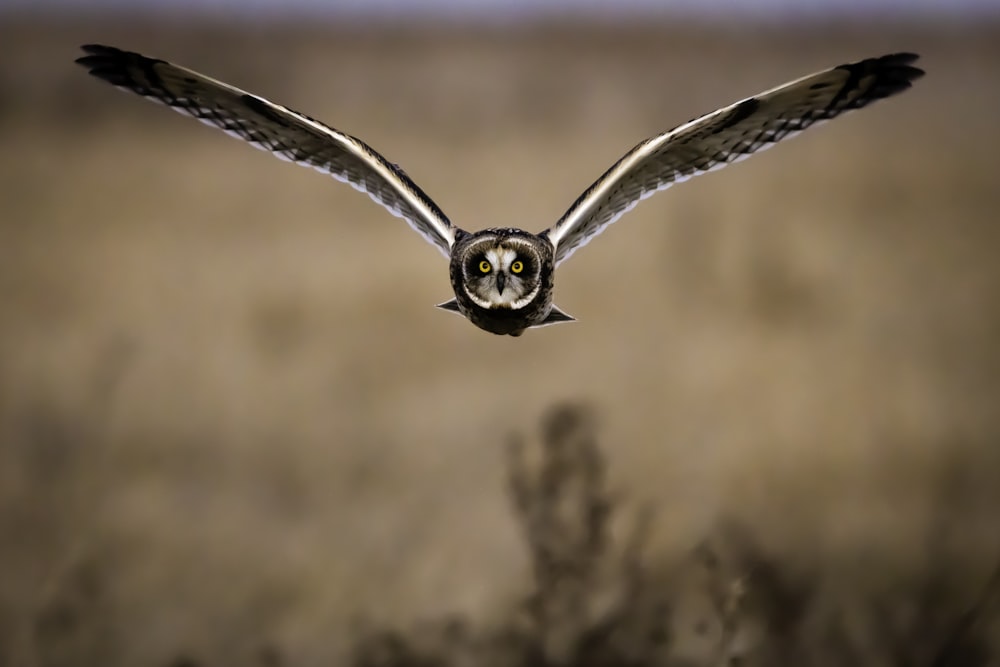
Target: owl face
{"points": [[501, 272], [503, 280]]}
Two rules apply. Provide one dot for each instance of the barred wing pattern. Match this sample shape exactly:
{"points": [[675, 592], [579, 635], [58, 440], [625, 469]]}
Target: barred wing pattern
{"points": [[288, 134], [726, 136]]}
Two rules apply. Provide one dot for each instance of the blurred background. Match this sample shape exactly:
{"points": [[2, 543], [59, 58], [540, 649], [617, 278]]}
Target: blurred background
{"points": [[232, 422]]}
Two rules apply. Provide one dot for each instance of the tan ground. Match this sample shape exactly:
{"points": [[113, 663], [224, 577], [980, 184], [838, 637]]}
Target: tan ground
{"points": [[230, 413]]}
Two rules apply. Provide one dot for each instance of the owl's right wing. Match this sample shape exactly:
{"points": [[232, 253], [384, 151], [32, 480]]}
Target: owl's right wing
{"points": [[726, 136], [288, 134]]}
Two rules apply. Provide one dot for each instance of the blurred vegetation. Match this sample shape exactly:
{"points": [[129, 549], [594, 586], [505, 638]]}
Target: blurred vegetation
{"points": [[592, 606], [594, 601], [234, 430]]}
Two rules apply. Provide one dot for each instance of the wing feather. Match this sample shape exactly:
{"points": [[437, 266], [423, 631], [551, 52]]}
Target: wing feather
{"points": [[726, 136], [288, 134]]}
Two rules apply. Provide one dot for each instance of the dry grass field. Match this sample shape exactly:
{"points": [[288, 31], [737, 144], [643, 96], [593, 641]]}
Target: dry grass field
{"points": [[234, 430]]}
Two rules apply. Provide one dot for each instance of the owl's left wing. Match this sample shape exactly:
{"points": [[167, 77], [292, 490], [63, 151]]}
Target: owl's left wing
{"points": [[288, 134], [725, 136]]}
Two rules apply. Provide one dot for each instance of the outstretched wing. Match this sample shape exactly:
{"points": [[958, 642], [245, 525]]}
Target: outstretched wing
{"points": [[288, 134], [725, 136]]}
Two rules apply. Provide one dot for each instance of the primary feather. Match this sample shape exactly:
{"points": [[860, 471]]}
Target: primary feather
{"points": [[726, 136], [288, 134]]}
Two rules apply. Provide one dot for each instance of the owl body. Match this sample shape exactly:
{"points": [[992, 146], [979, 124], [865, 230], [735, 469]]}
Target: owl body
{"points": [[502, 277], [503, 280]]}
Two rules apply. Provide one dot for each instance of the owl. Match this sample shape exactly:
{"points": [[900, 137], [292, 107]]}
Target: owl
{"points": [[503, 278]]}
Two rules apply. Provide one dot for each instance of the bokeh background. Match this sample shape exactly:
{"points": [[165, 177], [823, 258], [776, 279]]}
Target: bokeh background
{"points": [[230, 417]]}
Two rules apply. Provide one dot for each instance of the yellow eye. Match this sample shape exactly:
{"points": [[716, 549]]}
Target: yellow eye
{"points": [[517, 266], [484, 266]]}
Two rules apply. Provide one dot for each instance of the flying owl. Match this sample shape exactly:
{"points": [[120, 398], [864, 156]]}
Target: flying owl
{"points": [[503, 277]]}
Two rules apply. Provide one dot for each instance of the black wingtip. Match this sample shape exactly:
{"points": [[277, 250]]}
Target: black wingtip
{"points": [[116, 66], [896, 74], [97, 49], [99, 55], [893, 73], [899, 66]]}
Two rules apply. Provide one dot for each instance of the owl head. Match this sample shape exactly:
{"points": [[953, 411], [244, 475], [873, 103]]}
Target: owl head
{"points": [[503, 268]]}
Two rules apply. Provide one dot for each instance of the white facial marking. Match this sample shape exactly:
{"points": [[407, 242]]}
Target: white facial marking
{"points": [[500, 258]]}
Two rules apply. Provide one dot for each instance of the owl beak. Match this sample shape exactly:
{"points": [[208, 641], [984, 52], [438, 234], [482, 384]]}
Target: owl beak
{"points": [[501, 282]]}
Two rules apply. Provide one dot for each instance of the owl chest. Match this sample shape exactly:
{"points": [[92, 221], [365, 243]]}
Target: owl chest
{"points": [[505, 321]]}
